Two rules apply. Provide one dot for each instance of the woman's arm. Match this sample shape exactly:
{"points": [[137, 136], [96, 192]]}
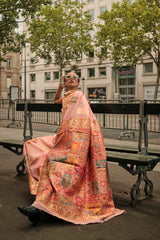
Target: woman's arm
{"points": [[57, 97]]}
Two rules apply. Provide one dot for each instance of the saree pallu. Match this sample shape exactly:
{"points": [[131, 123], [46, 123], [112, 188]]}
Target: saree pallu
{"points": [[68, 171]]}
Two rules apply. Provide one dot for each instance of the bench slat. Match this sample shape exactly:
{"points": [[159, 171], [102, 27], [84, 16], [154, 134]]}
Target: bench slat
{"points": [[115, 108], [112, 156], [130, 149], [40, 107], [12, 142], [112, 108], [131, 158]]}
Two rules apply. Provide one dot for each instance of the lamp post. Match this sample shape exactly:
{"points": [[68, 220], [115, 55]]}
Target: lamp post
{"points": [[23, 45], [83, 80], [0, 65], [24, 71]]}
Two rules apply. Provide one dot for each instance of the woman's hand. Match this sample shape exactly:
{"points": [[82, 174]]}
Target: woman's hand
{"points": [[57, 97], [61, 82]]}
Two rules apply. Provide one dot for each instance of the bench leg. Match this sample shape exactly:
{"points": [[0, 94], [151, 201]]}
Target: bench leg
{"points": [[127, 134], [20, 168], [148, 186], [141, 171], [18, 150]]}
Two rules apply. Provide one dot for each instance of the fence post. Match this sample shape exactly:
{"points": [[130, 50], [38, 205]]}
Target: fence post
{"points": [[104, 120], [13, 106], [47, 117], [27, 116]]}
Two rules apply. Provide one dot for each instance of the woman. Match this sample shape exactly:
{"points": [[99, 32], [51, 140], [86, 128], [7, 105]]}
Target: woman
{"points": [[68, 172]]}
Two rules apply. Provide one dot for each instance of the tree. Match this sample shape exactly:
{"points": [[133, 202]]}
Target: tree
{"points": [[9, 16], [110, 42], [10, 12], [61, 33], [109, 49], [132, 30]]}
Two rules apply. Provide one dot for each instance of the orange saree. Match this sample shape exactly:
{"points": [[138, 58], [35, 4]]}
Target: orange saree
{"points": [[68, 171]]}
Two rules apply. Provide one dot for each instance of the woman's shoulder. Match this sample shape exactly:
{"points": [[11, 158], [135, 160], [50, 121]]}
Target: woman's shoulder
{"points": [[79, 93]]}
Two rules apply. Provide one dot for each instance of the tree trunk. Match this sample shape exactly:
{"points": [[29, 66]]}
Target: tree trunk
{"points": [[116, 80], [157, 83], [0, 82], [60, 64], [60, 70]]}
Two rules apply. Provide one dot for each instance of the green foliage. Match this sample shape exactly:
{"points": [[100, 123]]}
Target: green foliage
{"points": [[62, 30], [9, 16], [130, 32]]}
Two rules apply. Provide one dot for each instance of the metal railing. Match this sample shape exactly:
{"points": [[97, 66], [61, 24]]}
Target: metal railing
{"points": [[110, 121]]}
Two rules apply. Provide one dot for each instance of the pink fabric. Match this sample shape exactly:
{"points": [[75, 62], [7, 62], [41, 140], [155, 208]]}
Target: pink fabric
{"points": [[68, 172]]}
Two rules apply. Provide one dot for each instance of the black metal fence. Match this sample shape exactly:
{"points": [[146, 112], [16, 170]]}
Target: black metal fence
{"points": [[111, 121]]}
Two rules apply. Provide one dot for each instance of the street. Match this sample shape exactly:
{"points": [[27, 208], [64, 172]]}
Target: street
{"points": [[140, 222]]}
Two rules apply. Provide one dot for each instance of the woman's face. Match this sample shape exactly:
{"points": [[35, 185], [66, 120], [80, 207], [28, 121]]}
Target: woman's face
{"points": [[71, 81]]}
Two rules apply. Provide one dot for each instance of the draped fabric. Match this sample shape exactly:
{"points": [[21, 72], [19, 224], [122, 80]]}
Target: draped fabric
{"points": [[68, 171]]}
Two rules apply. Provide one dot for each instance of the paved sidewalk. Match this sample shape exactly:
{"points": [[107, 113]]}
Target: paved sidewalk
{"points": [[139, 223]]}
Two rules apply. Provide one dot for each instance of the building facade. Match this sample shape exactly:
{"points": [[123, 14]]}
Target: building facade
{"points": [[40, 80], [10, 77]]}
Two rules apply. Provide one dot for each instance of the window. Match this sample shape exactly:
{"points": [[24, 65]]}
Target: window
{"points": [[131, 81], [91, 54], [94, 93], [32, 94], [131, 91], [8, 81], [148, 67], [47, 76], [49, 94], [78, 72], [91, 12], [102, 71], [127, 88], [126, 77], [8, 62], [91, 72], [102, 9], [32, 77], [56, 75], [127, 81]]}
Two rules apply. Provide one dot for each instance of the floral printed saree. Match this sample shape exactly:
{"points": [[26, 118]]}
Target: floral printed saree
{"points": [[68, 172]]}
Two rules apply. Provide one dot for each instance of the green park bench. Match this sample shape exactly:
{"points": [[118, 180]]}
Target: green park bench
{"points": [[137, 161]]}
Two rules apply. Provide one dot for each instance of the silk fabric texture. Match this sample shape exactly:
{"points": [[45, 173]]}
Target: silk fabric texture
{"points": [[68, 171]]}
